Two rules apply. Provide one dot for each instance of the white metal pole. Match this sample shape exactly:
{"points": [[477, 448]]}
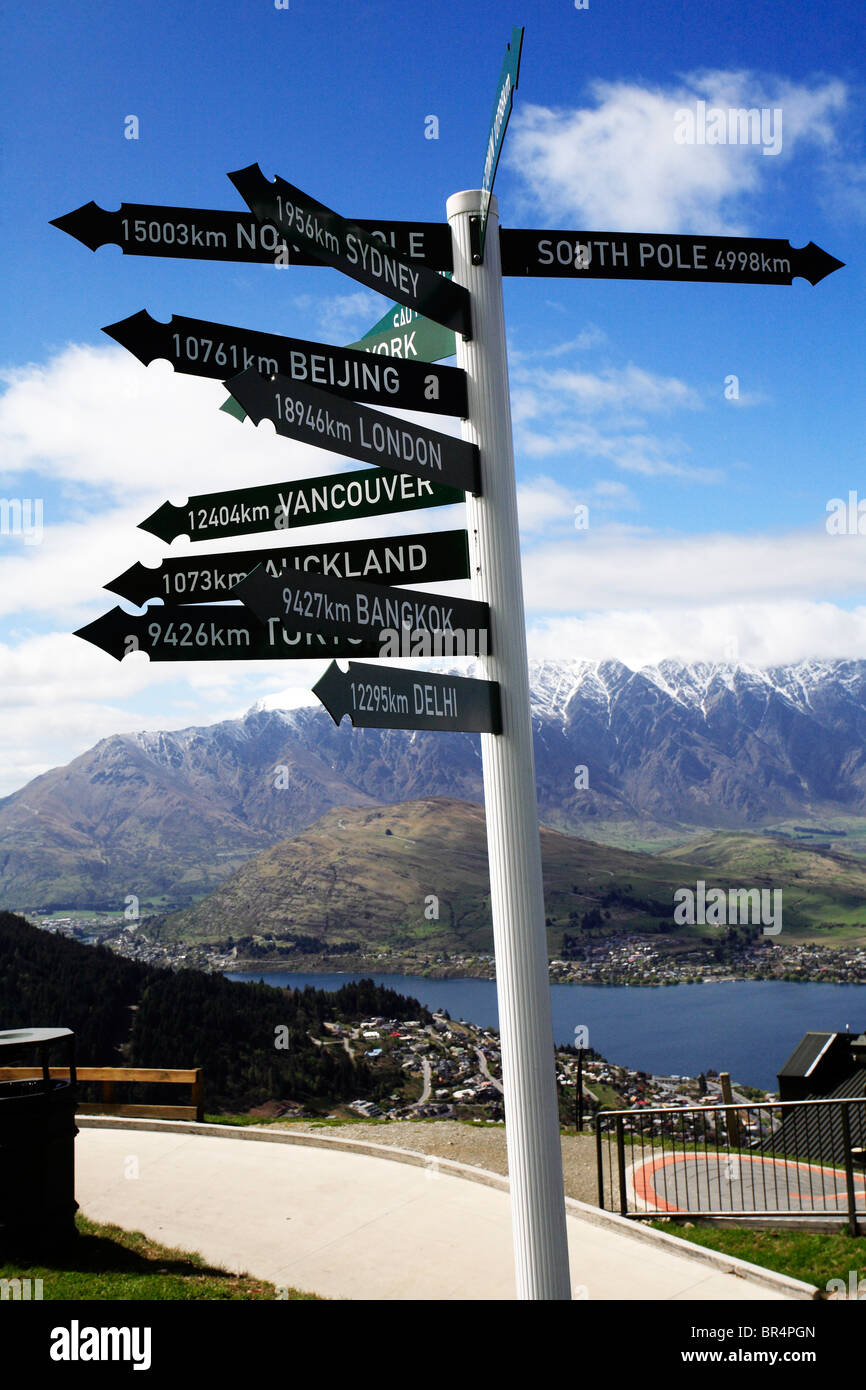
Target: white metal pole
{"points": [[513, 847]]}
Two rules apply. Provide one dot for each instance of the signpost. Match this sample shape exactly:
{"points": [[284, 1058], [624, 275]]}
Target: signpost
{"points": [[340, 608], [647, 256], [385, 697], [403, 333], [316, 417], [505, 89], [510, 796], [211, 516], [347, 247], [191, 578], [208, 234], [213, 632], [200, 348], [316, 600]]}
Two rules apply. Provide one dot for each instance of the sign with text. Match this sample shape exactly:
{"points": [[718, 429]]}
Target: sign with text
{"points": [[212, 632], [385, 697], [340, 608], [364, 492], [347, 247], [505, 89], [201, 348], [143, 229], [403, 333], [209, 234], [647, 256], [414, 559], [316, 417]]}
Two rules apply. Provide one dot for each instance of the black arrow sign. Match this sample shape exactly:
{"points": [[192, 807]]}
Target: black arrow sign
{"points": [[416, 559], [646, 256], [317, 417], [347, 247], [336, 607], [214, 632], [201, 348], [144, 229], [208, 234], [385, 697], [211, 516]]}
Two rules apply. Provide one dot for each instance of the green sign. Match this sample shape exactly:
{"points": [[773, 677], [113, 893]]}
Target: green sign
{"points": [[505, 90], [405, 333]]}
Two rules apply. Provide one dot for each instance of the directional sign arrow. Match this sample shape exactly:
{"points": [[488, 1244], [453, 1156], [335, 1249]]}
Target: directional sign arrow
{"points": [[200, 348], [215, 632], [347, 247], [416, 559], [209, 234], [403, 333], [337, 607], [505, 89], [646, 256], [317, 417], [144, 229], [211, 516], [385, 697]]}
